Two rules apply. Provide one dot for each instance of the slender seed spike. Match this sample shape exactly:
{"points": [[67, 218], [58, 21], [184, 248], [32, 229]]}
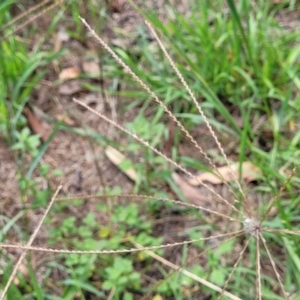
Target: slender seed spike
{"points": [[50, 250], [156, 99], [146, 144], [213, 134]]}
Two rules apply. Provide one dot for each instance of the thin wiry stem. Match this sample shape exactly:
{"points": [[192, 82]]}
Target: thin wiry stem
{"points": [[283, 187], [157, 199], [274, 267], [25, 13], [285, 231], [234, 267], [66, 251], [34, 17], [258, 269], [28, 245], [213, 134], [192, 276], [146, 144], [188, 262], [152, 94]]}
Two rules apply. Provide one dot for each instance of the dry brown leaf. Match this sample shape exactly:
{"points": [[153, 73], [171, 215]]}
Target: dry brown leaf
{"points": [[60, 37], [36, 125], [190, 192], [115, 6], [24, 271], [70, 88], [117, 158], [292, 125], [91, 67], [69, 73], [90, 99], [250, 173], [66, 120]]}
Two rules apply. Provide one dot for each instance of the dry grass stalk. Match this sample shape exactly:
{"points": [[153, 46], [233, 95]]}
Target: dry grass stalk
{"points": [[28, 244], [36, 14], [159, 102]]}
